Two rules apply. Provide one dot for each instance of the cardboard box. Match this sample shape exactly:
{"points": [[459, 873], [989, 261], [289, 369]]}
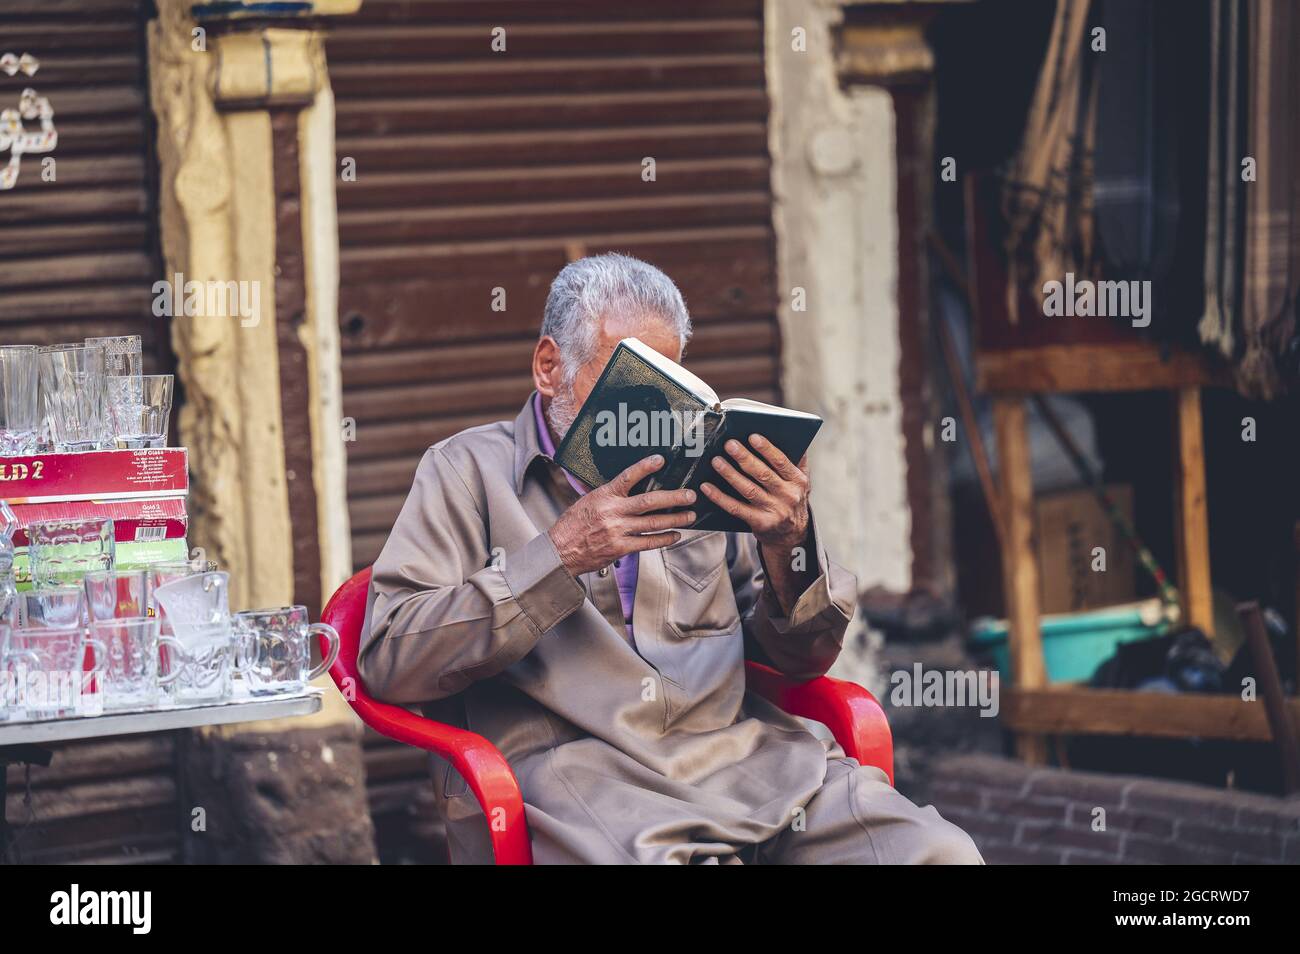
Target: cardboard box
{"points": [[163, 518], [1069, 526], [129, 556], [95, 475]]}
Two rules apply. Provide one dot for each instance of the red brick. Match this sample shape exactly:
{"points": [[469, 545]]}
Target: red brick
{"points": [[1018, 807], [1089, 858], [1181, 801], [1003, 854], [977, 824], [1141, 823], [987, 771], [1060, 835], [1260, 844], [1283, 818], [1080, 786], [957, 793], [1149, 851]]}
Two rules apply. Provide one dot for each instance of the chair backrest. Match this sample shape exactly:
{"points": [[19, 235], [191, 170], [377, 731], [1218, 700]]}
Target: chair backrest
{"points": [[346, 612]]}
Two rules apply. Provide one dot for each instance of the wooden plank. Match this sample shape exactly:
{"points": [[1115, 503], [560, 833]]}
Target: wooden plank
{"points": [[1075, 710], [475, 187], [1282, 726], [568, 215], [579, 74], [1191, 522], [536, 147], [525, 11], [450, 42], [1084, 368], [542, 110], [1019, 566]]}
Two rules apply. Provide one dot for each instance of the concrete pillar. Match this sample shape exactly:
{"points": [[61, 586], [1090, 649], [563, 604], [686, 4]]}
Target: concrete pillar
{"points": [[246, 195], [849, 220]]}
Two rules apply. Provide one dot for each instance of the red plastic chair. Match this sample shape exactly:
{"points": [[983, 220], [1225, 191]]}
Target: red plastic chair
{"points": [[848, 710]]}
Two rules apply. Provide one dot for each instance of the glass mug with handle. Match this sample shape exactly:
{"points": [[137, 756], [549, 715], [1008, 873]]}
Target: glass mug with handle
{"points": [[196, 609], [49, 666], [275, 649], [131, 677]]}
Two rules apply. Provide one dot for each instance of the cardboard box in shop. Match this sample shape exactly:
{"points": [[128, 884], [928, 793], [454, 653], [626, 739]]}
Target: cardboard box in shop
{"points": [[1069, 525]]}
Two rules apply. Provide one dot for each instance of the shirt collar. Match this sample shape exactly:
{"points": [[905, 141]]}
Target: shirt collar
{"points": [[533, 440], [527, 445]]}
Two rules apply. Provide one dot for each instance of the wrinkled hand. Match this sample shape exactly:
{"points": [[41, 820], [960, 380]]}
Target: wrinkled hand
{"points": [[775, 492], [607, 523]]}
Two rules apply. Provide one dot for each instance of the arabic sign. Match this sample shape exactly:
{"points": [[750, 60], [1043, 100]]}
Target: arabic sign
{"points": [[15, 136]]}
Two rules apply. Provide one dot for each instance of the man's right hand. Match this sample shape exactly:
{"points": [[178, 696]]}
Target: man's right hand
{"points": [[607, 524]]}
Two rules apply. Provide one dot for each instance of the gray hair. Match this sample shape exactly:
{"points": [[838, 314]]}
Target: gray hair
{"points": [[603, 286]]}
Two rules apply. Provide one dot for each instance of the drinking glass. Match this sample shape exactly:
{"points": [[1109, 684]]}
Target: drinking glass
{"points": [[64, 551], [161, 573], [50, 666], [55, 607], [142, 420], [131, 678], [19, 387], [116, 594], [8, 585], [72, 380], [197, 609], [275, 649], [123, 365]]}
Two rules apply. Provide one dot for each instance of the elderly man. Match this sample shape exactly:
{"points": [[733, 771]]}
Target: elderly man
{"points": [[601, 647]]}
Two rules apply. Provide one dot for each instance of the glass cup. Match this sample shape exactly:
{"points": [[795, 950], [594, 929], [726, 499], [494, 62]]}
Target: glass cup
{"points": [[72, 382], [131, 679], [49, 670], [197, 610], [19, 407], [123, 366], [161, 573], [275, 649], [116, 594], [142, 419], [8, 584], [123, 354], [64, 551], [56, 607]]}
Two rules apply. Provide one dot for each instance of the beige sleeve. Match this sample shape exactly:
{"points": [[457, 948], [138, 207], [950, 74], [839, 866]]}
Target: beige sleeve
{"points": [[806, 643], [441, 613]]}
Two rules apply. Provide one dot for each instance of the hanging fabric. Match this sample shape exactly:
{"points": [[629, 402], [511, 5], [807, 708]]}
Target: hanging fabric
{"points": [[1272, 239], [1047, 198]]}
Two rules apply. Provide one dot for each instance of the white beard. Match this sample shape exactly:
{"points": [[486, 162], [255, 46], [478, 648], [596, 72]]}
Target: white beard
{"points": [[560, 415]]}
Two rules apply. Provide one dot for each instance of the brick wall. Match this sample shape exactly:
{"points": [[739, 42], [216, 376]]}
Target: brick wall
{"points": [[1022, 815]]}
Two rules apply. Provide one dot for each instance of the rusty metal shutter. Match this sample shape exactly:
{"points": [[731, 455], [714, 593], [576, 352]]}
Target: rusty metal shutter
{"points": [[78, 258], [477, 170]]}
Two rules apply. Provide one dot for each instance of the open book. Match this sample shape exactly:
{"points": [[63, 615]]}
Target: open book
{"points": [[644, 403]]}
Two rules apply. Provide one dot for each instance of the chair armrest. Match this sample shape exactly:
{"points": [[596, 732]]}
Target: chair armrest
{"points": [[484, 769], [852, 714]]}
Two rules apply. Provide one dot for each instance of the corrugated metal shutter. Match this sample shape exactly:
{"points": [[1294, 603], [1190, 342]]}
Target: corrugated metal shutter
{"points": [[77, 258], [477, 170]]}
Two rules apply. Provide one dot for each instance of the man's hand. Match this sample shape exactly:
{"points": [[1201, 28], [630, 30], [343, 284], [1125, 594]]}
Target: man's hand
{"points": [[775, 492], [607, 523], [775, 508]]}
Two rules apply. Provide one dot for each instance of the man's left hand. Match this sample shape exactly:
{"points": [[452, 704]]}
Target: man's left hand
{"points": [[775, 492]]}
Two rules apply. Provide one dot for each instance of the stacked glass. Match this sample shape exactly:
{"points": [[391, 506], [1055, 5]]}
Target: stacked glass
{"points": [[19, 390]]}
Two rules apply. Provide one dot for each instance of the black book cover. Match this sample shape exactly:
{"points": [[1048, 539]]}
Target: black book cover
{"points": [[644, 403]]}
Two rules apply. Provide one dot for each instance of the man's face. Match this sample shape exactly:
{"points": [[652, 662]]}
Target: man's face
{"points": [[565, 402]]}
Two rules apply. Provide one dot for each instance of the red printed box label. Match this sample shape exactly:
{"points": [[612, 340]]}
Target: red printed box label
{"points": [[95, 475], [134, 521]]}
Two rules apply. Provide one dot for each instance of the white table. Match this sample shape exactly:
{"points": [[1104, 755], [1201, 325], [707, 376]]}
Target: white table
{"points": [[22, 742], [246, 709]]}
